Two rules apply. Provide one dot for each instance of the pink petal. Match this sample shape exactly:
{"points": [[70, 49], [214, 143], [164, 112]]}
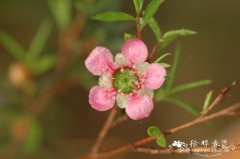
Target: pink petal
{"points": [[135, 50], [99, 60], [139, 107], [155, 76], [101, 99]]}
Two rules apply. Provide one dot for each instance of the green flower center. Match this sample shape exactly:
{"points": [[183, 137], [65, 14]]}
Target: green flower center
{"points": [[125, 80]]}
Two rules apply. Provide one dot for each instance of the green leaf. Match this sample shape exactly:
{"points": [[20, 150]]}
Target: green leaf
{"points": [[127, 36], [162, 57], [90, 8], [113, 16], [154, 131], [166, 65], [159, 94], [62, 12], [150, 11], [34, 139], [43, 64], [155, 28], [191, 85], [138, 4], [14, 48], [207, 100], [180, 102], [173, 72], [169, 36], [39, 40], [161, 141]]}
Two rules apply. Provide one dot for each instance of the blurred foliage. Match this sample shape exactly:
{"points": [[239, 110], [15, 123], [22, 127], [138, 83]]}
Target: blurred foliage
{"points": [[38, 74]]}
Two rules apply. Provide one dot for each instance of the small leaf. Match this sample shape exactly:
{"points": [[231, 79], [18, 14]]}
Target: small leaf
{"points": [[160, 138], [127, 36], [187, 106], [34, 139], [43, 64], [154, 131], [161, 141], [173, 72], [12, 46], [150, 11], [166, 65], [113, 16], [39, 40], [138, 4], [159, 94], [207, 100], [169, 36], [88, 9], [162, 57], [62, 12], [155, 28], [191, 85]]}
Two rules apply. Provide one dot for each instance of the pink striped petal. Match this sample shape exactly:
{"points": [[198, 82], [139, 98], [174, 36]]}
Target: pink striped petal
{"points": [[155, 76], [101, 99], [99, 60], [135, 51], [139, 107]]}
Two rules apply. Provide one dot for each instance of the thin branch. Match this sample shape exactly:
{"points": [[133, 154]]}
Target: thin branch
{"points": [[153, 52], [224, 112], [104, 131], [119, 120], [200, 149], [42, 101], [134, 145], [219, 99], [139, 31]]}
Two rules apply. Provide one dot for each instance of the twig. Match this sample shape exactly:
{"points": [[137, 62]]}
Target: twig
{"points": [[40, 103], [224, 112], [153, 52], [134, 145], [219, 99], [139, 31], [119, 120], [200, 149], [66, 42], [104, 131]]}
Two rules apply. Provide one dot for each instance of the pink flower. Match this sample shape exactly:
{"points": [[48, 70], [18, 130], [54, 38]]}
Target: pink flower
{"points": [[127, 79]]}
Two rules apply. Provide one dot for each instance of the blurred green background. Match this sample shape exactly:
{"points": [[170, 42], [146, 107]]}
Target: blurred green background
{"points": [[48, 115]]}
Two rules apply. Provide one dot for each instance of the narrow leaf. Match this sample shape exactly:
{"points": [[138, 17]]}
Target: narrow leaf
{"points": [[185, 105], [161, 141], [113, 16], [207, 100], [173, 72], [162, 57], [12, 46], [138, 4], [159, 94], [39, 40], [62, 12], [154, 131], [155, 28], [191, 85], [170, 36], [88, 9], [127, 36], [43, 64], [34, 139], [166, 65], [150, 11]]}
